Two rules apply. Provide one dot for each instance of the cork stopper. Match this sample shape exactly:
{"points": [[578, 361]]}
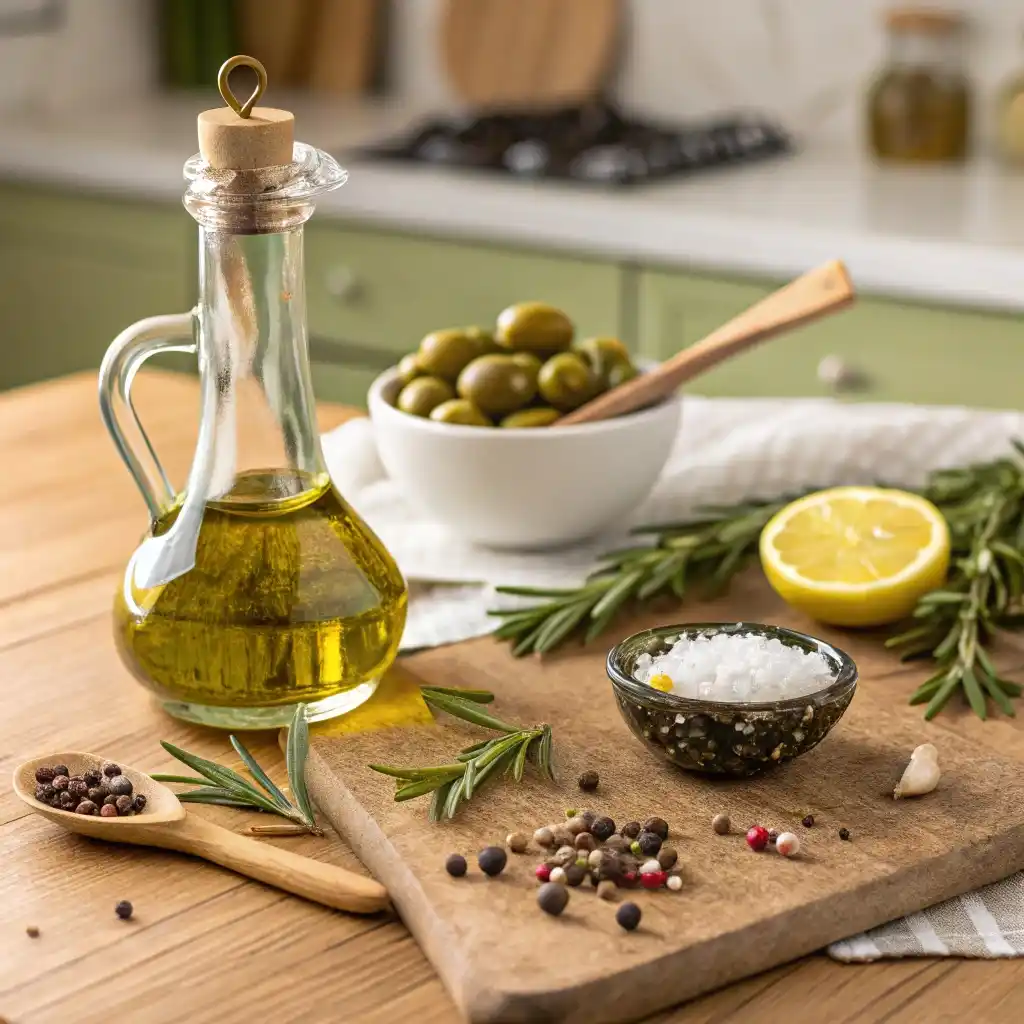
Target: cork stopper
{"points": [[242, 136]]}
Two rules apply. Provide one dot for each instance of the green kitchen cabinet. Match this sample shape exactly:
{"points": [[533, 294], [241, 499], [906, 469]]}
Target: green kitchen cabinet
{"points": [[887, 351], [75, 270]]}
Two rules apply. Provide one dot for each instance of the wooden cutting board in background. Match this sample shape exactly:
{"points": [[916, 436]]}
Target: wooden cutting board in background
{"points": [[529, 54], [275, 34], [344, 46], [740, 912]]}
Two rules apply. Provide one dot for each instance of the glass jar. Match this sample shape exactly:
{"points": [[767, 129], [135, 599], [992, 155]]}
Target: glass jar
{"points": [[919, 106]]}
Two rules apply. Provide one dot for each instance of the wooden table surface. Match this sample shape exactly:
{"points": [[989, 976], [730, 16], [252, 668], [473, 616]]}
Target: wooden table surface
{"points": [[206, 945]]}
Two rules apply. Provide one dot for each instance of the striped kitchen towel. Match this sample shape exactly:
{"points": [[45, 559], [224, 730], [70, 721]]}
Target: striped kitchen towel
{"points": [[987, 923]]}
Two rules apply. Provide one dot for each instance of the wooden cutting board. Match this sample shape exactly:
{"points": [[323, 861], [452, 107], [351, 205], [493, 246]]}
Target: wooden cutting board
{"points": [[740, 912], [529, 54]]}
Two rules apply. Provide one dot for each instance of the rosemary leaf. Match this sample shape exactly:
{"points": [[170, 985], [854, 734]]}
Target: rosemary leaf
{"points": [[258, 773], [186, 780], [296, 751]]}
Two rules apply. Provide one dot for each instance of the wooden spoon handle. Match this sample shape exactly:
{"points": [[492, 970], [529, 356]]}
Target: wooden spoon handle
{"points": [[323, 883], [820, 291]]}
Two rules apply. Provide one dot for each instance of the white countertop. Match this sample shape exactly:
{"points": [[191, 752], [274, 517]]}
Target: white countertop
{"points": [[944, 235]]}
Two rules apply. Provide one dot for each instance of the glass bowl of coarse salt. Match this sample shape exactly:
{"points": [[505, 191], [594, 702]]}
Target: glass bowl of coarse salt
{"points": [[730, 698]]}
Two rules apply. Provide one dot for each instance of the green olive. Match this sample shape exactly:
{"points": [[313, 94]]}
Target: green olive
{"points": [[566, 382], [409, 368], [460, 410], [497, 385], [530, 363], [538, 416], [446, 354], [602, 353], [619, 373], [484, 338], [534, 327], [420, 397]]}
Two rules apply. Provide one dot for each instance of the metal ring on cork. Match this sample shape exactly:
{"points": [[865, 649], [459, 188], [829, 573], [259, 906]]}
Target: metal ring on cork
{"points": [[241, 60]]}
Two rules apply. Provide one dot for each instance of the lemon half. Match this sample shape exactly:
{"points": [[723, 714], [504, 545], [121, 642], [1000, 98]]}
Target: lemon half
{"points": [[856, 556]]}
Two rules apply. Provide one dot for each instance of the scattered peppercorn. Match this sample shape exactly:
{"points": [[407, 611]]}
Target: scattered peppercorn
{"points": [[86, 807], [60, 783], [544, 837], [124, 910], [787, 844], [32, 931], [653, 879], [543, 872], [92, 777], [552, 898], [60, 769], [571, 812], [667, 857], [563, 837], [674, 882], [120, 785], [595, 858], [108, 811], [628, 916], [110, 799], [574, 875], [585, 841], [123, 805], [492, 860], [110, 769], [808, 822], [773, 835], [602, 828], [616, 844], [757, 838], [658, 826], [631, 829], [844, 833], [588, 818], [44, 775], [648, 866], [634, 848], [607, 890], [564, 856], [558, 876], [517, 842], [455, 864], [721, 823], [649, 843], [589, 781]]}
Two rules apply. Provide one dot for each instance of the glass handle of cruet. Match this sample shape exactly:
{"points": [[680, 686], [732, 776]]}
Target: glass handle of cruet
{"points": [[177, 332]]}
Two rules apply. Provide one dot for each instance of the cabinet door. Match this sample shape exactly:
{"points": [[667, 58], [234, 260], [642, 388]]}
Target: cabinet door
{"points": [[74, 271], [890, 351], [380, 293]]}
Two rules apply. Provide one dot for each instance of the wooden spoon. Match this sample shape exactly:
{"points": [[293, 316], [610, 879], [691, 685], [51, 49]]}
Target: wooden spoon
{"points": [[165, 823], [816, 293]]}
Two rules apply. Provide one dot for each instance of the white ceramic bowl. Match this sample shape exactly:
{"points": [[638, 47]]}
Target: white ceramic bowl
{"points": [[523, 489]]}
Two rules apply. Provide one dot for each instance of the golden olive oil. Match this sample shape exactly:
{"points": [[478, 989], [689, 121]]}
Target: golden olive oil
{"points": [[292, 598]]}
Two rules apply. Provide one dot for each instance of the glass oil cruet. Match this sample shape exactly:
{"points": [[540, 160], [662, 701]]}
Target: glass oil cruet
{"points": [[258, 587]]}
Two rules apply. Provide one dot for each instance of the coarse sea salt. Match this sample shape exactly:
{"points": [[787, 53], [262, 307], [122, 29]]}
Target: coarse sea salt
{"points": [[736, 667]]}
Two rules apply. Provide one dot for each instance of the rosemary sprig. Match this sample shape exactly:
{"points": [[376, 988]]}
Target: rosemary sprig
{"points": [[454, 783], [984, 507], [704, 554], [225, 787]]}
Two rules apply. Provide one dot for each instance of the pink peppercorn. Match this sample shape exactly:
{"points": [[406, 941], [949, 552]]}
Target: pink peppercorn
{"points": [[757, 838], [629, 877], [543, 872], [653, 879]]}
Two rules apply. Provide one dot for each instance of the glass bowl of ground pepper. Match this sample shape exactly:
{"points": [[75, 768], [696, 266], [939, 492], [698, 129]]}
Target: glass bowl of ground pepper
{"points": [[730, 699]]}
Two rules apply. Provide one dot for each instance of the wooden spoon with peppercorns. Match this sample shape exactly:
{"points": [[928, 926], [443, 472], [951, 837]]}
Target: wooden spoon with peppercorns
{"points": [[165, 823]]}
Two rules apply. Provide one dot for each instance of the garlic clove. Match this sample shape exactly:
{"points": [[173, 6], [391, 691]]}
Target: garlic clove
{"points": [[921, 775]]}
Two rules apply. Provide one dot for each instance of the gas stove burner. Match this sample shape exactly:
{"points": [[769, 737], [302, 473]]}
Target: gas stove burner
{"points": [[594, 144]]}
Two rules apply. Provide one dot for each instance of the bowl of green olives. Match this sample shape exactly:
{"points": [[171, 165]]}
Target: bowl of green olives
{"points": [[461, 424]]}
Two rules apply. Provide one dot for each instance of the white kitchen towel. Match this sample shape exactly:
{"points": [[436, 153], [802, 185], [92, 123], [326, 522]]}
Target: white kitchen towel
{"points": [[726, 450]]}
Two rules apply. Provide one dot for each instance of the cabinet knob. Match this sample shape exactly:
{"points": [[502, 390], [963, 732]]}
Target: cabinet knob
{"points": [[343, 284], [839, 375]]}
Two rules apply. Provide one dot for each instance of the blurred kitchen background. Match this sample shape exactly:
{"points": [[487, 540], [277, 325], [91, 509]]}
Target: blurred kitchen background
{"points": [[650, 166]]}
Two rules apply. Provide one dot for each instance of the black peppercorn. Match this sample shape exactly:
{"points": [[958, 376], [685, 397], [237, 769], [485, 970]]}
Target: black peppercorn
{"points": [[123, 805], [44, 775], [588, 817], [45, 793], [844, 833], [667, 858], [139, 803], [610, 867], [808, 822], [124, 910], [97, 794], [602, 828], [586, 842], [552, 898], [66, 800], [574, 875], [589, 781], [650, 843], [85, 807], [110, 769], [628, 916], [110, 800], [631, 829], [60, 783], [92, 777], [492, 860], [120, 785], [77, 787], [659, 826], [455, 865], [32, 931], [60, 769]]}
